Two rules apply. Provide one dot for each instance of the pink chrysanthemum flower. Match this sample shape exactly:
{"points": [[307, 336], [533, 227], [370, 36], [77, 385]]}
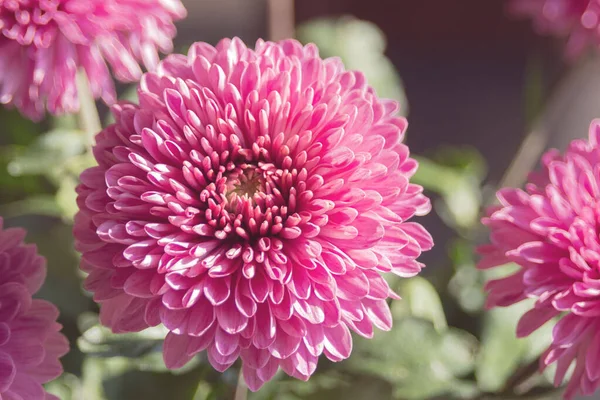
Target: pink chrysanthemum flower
{"points": [[576, 20], [250, 203], [30, 341], [44, 42], [551, 231]]}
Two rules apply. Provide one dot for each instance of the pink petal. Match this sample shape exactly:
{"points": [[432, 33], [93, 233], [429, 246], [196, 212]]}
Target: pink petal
{"points": [[8, 371], [175, 351], [338, 342]]}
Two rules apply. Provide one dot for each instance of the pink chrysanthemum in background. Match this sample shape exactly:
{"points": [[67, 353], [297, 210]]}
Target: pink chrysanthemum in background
{"points": [[551, 231], [44, 42], [250, 203], [578, 21], [30, 339]]}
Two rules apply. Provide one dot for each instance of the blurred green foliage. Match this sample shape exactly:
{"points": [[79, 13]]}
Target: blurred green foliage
{"points": [[456, 175]]}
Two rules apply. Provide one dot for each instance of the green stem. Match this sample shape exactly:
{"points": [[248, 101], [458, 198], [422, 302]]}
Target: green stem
{"points": [[241, 391], [519, 377], [89, 120]]}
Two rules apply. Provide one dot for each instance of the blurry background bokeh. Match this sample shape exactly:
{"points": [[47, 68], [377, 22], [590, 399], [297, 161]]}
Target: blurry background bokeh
{"points": [[484, 96]]}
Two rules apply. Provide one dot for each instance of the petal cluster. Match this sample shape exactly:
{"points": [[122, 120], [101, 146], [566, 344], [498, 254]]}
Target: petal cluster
{"points": [[30, 341], [250, 203], [578, 21], [43, 43], [551, 231]]}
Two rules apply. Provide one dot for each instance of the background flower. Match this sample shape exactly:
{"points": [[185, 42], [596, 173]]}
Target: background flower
{"points": [[575, 20], [44, 42], [250, 203], [551, 231], [30, 341]]}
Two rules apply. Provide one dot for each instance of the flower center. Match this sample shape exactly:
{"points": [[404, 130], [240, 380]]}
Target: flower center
{"points": [[245, 183]]}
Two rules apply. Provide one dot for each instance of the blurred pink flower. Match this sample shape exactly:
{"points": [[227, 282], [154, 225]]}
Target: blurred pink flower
{"points": [[250, 203], [551, 231], [578, 21], [44, 42], [30, 341]]}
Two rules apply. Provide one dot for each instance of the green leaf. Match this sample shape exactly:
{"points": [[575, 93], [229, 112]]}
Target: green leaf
{"points": [[361, 46], [466, 285], [539, 340], [419, 361], [66, 387], [35, 205], [117, 378], [65, 122], [203, 392], [60, 156], [330, 384], [420, 299], [99, 341], [66, 198], [460, 191], [458, 351], [464, 159], [95, 370], [501, 351], [143, 349], [151, 386], [54, 240], [48, 154], [460, 206], [359, 388]]}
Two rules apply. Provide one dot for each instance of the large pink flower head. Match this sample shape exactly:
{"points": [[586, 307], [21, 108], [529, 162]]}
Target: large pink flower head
{"points": [[251, 203], [578, 21], [30, 341], [551, 231], [44, 42]]}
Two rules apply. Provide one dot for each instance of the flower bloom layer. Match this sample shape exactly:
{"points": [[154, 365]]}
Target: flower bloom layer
{"points": [[551, 231], [44, 42], [250, 203], [30, 341], [576, 20]]}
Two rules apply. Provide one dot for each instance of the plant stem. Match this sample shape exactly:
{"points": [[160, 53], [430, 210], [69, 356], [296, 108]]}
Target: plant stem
{"points": [[241, 391], [520, 376], [89, 120], [280, 19]]}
